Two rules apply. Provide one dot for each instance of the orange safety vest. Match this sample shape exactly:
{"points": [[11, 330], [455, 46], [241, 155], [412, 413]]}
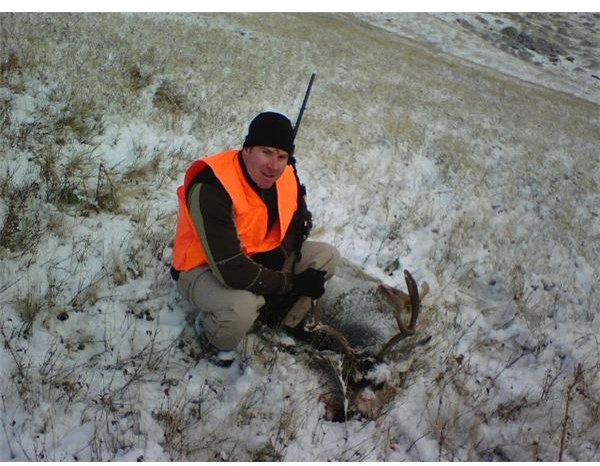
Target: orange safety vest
{"points": [[249, 210]]}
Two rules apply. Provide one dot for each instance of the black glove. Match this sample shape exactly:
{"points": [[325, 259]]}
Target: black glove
{"points": [[310, 283]]}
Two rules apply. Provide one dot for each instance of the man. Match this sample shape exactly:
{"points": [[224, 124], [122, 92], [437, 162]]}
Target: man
{"points": [[242, 221]]}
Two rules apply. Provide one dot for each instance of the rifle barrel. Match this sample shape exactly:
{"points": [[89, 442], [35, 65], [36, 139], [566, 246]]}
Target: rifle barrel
{"points": [[299, 119]]}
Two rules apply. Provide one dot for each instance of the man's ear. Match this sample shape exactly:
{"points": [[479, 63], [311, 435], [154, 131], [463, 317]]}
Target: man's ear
{"points": [[245, 151]]}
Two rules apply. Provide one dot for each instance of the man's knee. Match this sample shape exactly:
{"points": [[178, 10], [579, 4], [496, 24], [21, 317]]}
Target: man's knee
{"points": [[321, 256], [332, 259], [228, 326]]}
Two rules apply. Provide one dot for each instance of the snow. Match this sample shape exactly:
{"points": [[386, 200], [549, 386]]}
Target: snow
{"points": [[427, 145]]}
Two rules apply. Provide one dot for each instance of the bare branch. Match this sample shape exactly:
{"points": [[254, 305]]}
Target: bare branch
{"points": [[578, 378]]}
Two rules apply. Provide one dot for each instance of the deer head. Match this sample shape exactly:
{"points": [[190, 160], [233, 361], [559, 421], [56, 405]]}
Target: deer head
{"points": [[361, 384]]}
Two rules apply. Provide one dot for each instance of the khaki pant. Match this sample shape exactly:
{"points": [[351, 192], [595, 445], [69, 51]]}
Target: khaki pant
{"points": [[230, 313]]}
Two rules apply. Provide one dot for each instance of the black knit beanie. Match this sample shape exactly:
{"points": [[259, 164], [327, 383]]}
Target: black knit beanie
{"points": [[271, 129]]}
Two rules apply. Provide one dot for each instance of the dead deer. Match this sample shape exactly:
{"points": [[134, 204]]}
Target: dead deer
{"points": [[362, 387]]}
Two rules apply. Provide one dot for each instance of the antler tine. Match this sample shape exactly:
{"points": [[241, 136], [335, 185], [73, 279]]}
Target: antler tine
{"points": [[415, 305], [391, 343], [320, 327], [415, 300], [314, 324]]}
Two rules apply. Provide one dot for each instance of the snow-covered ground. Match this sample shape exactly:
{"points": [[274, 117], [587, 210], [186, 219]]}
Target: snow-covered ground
{"points": [[437, 143]]}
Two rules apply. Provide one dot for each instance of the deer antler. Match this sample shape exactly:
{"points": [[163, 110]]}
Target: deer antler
{"points": [[315, 325], [400, 301], [415, 300]]}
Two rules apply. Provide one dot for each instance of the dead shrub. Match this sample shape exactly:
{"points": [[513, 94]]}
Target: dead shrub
{"points": [[79, 119], [137, 79], [167, 99], [22, 228], [30, 304]]}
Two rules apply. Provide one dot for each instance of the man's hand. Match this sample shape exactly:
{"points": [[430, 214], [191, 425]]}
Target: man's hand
{"points": [[310, 283]]}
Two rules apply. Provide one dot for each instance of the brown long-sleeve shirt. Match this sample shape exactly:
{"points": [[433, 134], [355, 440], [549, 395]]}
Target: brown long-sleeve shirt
{"points": [[211, 210]]}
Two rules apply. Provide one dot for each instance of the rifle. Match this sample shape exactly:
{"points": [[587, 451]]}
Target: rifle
{"points": [[302, 220], [292, 161], [303, 107]]}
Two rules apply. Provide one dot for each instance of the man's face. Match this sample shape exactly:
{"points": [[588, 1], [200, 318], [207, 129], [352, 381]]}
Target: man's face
{"points": [[265, 164]]}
